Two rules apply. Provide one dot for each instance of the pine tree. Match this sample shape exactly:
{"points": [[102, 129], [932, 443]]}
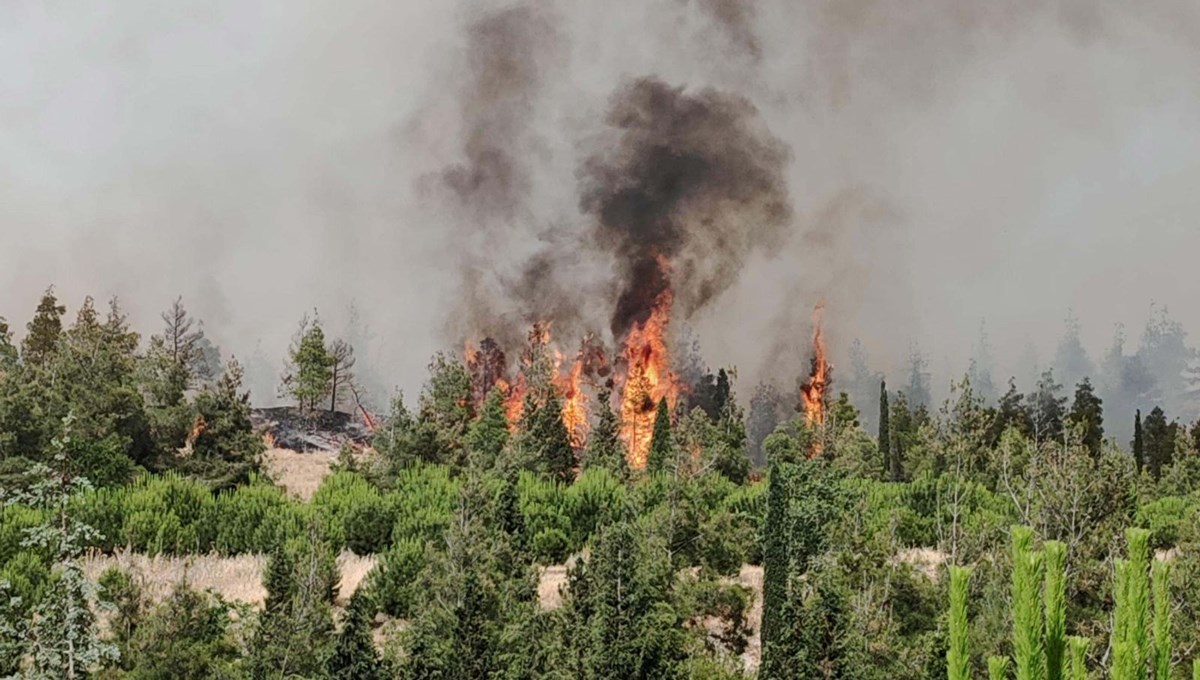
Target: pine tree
{"points": [[44, 330], [8, 351], [310, 366], [722, 393], [354, 654], [604, 448], [885, 436], [488, 435], [1161, 577], [1139, 456], [1056, 608], [958, 658], [1131, 615], [661, 445], [1028, 625], [1087, 414], [544, 435]]}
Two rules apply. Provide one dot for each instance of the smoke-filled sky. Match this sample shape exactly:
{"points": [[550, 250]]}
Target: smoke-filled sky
{"points": [[453, 167]]}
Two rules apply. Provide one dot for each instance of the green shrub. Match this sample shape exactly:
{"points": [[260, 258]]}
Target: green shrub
{"points": [[1165, 518]]}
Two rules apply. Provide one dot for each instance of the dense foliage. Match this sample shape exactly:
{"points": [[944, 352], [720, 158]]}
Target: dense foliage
{"points": [[1000, 535]]}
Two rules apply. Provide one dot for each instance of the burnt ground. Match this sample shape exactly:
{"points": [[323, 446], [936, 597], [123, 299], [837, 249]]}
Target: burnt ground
{"points": [[289, 428]]}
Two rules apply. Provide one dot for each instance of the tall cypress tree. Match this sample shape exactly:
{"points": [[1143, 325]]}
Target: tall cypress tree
{"points": [[1139, 457], [660, 440], [885, 435]]}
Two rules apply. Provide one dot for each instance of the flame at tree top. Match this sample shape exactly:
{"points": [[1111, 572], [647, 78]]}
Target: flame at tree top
{"points": [[813, 390], [648, 380]]}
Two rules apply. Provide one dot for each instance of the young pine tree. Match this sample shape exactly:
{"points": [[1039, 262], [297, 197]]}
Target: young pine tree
{"points": [[661, 446], [958, 658], [1161, 577], [488, 435], [354, 654], [1056, 608], [604, 448], [1028, 626], [1077, 658]]}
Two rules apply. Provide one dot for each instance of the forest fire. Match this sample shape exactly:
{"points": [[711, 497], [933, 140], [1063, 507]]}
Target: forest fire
{"points": [[813, 389], [648, 380]]}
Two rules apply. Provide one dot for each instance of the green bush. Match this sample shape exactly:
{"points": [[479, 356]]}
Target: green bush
{"points": [[394, 579], [1165, 518]]}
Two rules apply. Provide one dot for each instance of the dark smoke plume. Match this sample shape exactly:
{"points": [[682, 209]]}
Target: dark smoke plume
{"points": [[695, 179], [735, 19]]}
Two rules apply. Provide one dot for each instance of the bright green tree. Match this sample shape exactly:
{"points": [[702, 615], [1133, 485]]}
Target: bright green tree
{"points": [[1056, 608], [1028, 625], [958, 657], [309, 375], [1161, 577]]}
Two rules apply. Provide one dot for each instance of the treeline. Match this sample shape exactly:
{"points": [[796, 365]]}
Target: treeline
{"points": [[861, 532]]}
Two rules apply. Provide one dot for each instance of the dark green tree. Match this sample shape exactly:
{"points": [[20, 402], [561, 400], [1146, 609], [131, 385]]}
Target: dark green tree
{"points": [[662, 448], [884, 437], [1139, 447], [544, 436], [776, 572], [1158, 438], [1011, 412], [225, 449], [354, 654], [722, 393], [1048, 409], [1087, 414], [488, 434], [604, 448], [309, 375], [43, 331], [187, 637], [8, 351]]}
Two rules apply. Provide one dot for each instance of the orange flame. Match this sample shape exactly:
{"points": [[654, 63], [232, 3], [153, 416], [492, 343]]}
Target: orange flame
{"points": [[574, 410], [813, 390], [198, 427], [648, 380]]}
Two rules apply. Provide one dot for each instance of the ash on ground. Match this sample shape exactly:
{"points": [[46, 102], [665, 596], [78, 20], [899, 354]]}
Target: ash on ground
{"points": [[287, 427]]}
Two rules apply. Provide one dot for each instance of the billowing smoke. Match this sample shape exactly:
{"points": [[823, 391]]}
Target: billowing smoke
{"points": [[694, 179]]}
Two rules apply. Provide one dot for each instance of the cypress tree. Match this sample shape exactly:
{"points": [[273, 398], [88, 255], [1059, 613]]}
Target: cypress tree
{"points": [[885, 435], [43, 330], [660, 439], [1161, 574], [1056, 612], [1139, 458], [1158, 442], [1087, 413], [958, 658], [1028, 572], [354, 653]]}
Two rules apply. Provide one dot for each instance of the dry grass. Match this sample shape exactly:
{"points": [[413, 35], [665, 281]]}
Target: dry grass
{"points": [[551, 580], [925, 560], [299, 473], [751, 576], [234, 578]]}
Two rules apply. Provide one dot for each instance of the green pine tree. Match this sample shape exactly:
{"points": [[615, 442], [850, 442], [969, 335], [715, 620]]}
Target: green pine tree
{"points": [[661, 444], [1056, 608], [354, 654], [310, 366], [1161, 577], [488, 434], [604, 449], [1028, 625], [958, 658], [1077, 657]]}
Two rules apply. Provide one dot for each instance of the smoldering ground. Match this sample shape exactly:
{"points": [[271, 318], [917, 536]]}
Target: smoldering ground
{"points": [[948, 162]]}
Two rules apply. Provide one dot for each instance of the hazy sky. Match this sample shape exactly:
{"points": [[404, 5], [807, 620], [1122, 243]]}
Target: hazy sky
{"points": [[949, 163]]}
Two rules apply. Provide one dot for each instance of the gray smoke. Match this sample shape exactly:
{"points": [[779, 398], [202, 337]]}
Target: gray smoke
{"points": [[949, 162]]}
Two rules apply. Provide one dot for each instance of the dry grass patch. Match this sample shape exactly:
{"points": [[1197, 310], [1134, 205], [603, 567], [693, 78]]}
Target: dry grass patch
{"points": [[300, 473], [234, 578]]}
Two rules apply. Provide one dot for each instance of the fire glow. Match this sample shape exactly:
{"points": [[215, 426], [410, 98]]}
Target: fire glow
{"points": [[648, 380], [813, 390]]}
